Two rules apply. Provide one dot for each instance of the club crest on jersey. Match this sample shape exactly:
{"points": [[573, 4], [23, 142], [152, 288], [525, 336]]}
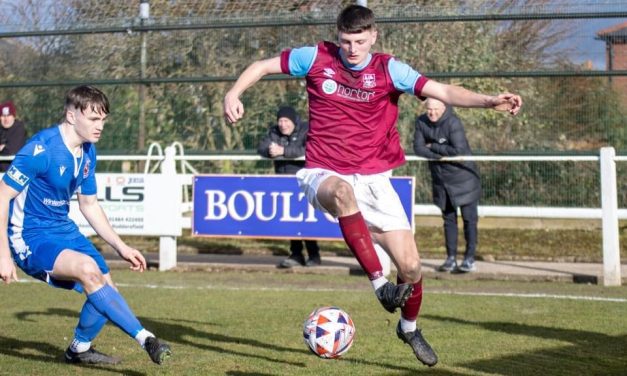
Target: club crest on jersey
{"points": [[369, 81], [38, 150], [328, 72], [17, 176], [329, 86], [86, 168]]}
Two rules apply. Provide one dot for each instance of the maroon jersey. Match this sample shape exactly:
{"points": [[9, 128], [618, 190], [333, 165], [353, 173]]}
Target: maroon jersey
{"points": [[352, 114]]}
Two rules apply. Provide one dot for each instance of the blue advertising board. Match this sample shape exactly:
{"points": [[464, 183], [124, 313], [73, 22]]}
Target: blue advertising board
{"points": [[268, 206]]}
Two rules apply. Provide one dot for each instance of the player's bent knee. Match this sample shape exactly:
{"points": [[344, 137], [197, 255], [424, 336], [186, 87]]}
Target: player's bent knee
{"points": [[411, 273], [343, 193], [89, 273]]}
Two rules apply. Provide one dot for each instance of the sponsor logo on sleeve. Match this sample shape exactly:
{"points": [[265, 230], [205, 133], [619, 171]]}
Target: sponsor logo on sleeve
{"points": [[17, 176]]}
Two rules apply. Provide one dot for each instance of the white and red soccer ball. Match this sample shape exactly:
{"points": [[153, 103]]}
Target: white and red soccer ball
{"points": [[329, 332]]}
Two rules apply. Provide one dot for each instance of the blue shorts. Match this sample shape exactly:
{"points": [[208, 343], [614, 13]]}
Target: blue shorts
{"points": [[36, 255]]}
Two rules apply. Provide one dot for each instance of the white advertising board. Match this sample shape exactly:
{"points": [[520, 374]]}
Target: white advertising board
{"points": [[136, 204]]}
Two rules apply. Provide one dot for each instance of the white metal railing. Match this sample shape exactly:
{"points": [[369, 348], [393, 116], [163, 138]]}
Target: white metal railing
{"points": [[419, 209], [609, 213]]}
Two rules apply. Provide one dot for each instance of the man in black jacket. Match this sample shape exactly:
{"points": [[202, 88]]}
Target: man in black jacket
{"points": [[12, 133], [439, 133], [287, 139]]}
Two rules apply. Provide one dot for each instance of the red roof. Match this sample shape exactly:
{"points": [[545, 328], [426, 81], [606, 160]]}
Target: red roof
{"points": [[613, 31]]}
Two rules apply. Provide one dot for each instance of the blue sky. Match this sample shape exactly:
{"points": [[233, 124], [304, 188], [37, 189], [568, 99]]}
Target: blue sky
{"points": [[585, 46]]}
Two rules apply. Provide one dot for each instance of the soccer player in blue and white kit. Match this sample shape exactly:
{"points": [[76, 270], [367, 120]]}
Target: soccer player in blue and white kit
{"points": [[37, 233]]}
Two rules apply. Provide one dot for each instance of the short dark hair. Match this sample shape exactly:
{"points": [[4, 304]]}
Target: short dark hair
{"points": [[355, 19], [85, 96]]}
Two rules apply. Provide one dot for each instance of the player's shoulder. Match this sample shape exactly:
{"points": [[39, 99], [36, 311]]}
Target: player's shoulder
{"points": [[382, 55], [329, 47], [90, 149], [42, 142]]}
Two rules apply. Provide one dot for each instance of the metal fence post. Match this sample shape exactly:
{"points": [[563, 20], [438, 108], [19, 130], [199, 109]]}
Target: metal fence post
{"points": [[167, 244], [144, 15], [609, 207]]}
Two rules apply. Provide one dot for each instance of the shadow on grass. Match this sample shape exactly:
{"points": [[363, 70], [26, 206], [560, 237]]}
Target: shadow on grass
{"points": [[45, 353], [184, 331], [587, 352]]}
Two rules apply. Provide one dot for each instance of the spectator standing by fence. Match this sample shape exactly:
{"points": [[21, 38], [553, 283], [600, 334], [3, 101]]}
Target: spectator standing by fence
{"points": [[12, 133], [439, 133], [284, 141]]}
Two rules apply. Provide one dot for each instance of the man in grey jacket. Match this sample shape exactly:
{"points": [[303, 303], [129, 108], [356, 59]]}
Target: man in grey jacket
{"points": [[287, 139], [439, 133]]}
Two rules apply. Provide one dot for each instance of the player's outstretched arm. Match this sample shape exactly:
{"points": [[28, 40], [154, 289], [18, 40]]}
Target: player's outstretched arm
{"points": [[461, 97], [233, 107], [8, 272], [92, 211]]}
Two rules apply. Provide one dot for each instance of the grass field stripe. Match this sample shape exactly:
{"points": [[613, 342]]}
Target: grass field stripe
{"points": [[494, 294]]}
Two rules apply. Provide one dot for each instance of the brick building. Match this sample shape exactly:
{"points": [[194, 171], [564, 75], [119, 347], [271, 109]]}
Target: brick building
{"points": [[615, 38]]}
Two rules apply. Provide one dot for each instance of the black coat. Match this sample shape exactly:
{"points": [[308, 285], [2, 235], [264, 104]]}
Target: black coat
{"points": [[294, 145], [447, 138], [13, 138]]}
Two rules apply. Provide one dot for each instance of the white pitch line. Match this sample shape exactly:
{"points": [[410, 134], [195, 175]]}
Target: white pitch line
{"points": [[542, 296], [307, 289]]}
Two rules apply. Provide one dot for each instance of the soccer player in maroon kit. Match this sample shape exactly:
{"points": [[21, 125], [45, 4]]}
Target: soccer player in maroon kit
{"points": [[353, 145]]}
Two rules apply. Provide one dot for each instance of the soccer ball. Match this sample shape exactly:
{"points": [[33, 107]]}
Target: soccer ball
{"points": [[329, 332]]}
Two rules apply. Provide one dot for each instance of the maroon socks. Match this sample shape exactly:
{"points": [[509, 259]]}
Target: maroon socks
{"points": [[358, 239], [410, 311]]}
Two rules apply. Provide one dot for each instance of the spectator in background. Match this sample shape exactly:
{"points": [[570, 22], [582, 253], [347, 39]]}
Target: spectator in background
{"points": [[439, 133], [287, 139], [12, 133]]}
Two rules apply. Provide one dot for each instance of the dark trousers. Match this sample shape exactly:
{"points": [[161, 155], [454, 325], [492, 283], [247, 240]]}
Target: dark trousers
{"points": [[470, 217], [296, 248]]}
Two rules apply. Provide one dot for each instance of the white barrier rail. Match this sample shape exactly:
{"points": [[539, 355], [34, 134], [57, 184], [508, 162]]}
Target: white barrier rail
{"points": [[609, 213]]}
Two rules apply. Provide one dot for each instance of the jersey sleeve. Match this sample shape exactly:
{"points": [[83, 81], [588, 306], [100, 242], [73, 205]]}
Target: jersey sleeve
{"points": [[32, 160], [298, 61], [88, 185], [405, 78]]}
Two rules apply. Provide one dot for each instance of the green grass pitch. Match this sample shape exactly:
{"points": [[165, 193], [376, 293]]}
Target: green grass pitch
{"points": [[231, 323]]}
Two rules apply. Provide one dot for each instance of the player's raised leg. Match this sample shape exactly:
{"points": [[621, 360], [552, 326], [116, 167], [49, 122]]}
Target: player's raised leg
{"points": [[337, 196], [107, 302], [402, 248]]}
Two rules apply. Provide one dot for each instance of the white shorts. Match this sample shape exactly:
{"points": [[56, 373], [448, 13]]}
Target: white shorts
{"points": [[376, 198]]}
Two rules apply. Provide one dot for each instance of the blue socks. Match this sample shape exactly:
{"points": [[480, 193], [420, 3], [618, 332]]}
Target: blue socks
{"points": [[109, 303], [90, 323]]}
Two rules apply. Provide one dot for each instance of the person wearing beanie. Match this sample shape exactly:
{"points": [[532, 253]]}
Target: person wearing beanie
{"points": [[285, 141], [12, 133]]}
